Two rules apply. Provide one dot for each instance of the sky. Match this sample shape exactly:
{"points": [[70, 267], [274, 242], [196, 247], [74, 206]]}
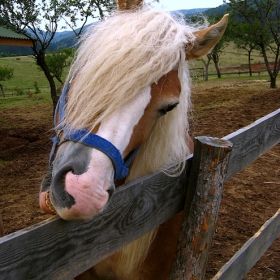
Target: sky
{"points": [[172, 5]]}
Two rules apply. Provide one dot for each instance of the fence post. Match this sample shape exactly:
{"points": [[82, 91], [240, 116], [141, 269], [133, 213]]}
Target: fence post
{"points": [[209, 166]]}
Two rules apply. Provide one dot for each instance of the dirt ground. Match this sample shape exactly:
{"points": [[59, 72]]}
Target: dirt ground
{"points": [[249, 199]]}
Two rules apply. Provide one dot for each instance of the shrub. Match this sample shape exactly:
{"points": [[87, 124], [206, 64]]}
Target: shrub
{"points": [[19, 91], [37, 90]]}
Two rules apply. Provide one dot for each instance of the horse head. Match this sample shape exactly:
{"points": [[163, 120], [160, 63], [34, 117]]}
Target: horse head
{"points": [[128, 89]]}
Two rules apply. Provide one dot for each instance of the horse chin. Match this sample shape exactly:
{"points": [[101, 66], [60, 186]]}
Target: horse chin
{"points": [[85, 208], [77, 212], [76, 215]]}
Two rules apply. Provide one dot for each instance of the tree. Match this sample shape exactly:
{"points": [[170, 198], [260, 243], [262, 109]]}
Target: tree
{"points": [[57, 61], [243, 35], [39, 20], [261, 19], [216, 52], [6, 73], [206, 67]]}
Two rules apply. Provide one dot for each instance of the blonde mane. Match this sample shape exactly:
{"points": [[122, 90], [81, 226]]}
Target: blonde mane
{"points": [[116, 59], [119, 57]]}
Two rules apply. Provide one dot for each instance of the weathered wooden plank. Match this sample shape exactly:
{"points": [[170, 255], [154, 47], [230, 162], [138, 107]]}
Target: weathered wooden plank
{"points": [[61, 250], [240, 264], [210, 162], [252, 141]]}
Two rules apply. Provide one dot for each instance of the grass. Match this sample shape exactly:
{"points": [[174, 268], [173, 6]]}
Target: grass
{"points": [[24, 100], [234, 56], [26, 72]]}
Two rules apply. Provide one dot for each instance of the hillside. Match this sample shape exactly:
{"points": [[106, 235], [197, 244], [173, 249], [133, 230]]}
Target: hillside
{"points": [[67, 39], [189, 12]]}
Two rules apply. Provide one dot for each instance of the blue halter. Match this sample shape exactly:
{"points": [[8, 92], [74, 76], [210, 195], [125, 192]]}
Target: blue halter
{"points": [[87, 138]]}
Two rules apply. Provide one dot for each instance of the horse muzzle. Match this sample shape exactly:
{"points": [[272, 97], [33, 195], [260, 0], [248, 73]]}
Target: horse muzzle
{"points": [[72, 189]]}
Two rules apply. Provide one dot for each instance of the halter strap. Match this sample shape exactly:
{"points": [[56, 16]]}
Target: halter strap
{"points": [[87, 138], [102, 145]]}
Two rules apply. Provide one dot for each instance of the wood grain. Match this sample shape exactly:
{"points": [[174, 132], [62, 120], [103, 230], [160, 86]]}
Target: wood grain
{"points": [[209, 166], [62, 250]]}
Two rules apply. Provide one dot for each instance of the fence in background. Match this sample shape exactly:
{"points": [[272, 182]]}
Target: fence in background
{"points": [[241, 69]]}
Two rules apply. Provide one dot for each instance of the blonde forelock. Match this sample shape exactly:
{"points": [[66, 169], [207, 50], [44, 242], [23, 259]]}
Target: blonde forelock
{"points": [[119, 57]]}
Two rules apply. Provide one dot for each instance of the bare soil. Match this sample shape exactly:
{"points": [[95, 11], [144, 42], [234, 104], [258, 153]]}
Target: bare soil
{"points": [[249, 199]]}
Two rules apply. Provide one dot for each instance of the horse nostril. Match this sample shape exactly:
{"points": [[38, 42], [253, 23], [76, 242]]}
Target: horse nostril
{"points": [[73, 172], [59, 194], [59, 177]]}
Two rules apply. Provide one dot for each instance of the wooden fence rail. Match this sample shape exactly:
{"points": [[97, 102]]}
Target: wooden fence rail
{"points": [[57, 249], [202, 73], [240, 264], [256, 68]]}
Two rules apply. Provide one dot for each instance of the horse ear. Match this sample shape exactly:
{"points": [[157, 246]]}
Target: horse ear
{"points": [[206, 39], [129, 4]]}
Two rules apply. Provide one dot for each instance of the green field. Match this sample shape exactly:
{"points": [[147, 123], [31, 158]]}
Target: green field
{"points": [[26, 72], [24, 100], [232, 56]]}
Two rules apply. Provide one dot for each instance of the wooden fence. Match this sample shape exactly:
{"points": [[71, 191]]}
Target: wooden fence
{"points": [[16, 91], [58, 249], [256, 68]]}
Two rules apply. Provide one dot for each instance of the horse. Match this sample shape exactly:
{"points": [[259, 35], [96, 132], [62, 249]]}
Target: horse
{"points": [[123, 113]]}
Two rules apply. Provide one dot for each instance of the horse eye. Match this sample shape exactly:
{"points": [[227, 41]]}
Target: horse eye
{"points": [[169, 108]]}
